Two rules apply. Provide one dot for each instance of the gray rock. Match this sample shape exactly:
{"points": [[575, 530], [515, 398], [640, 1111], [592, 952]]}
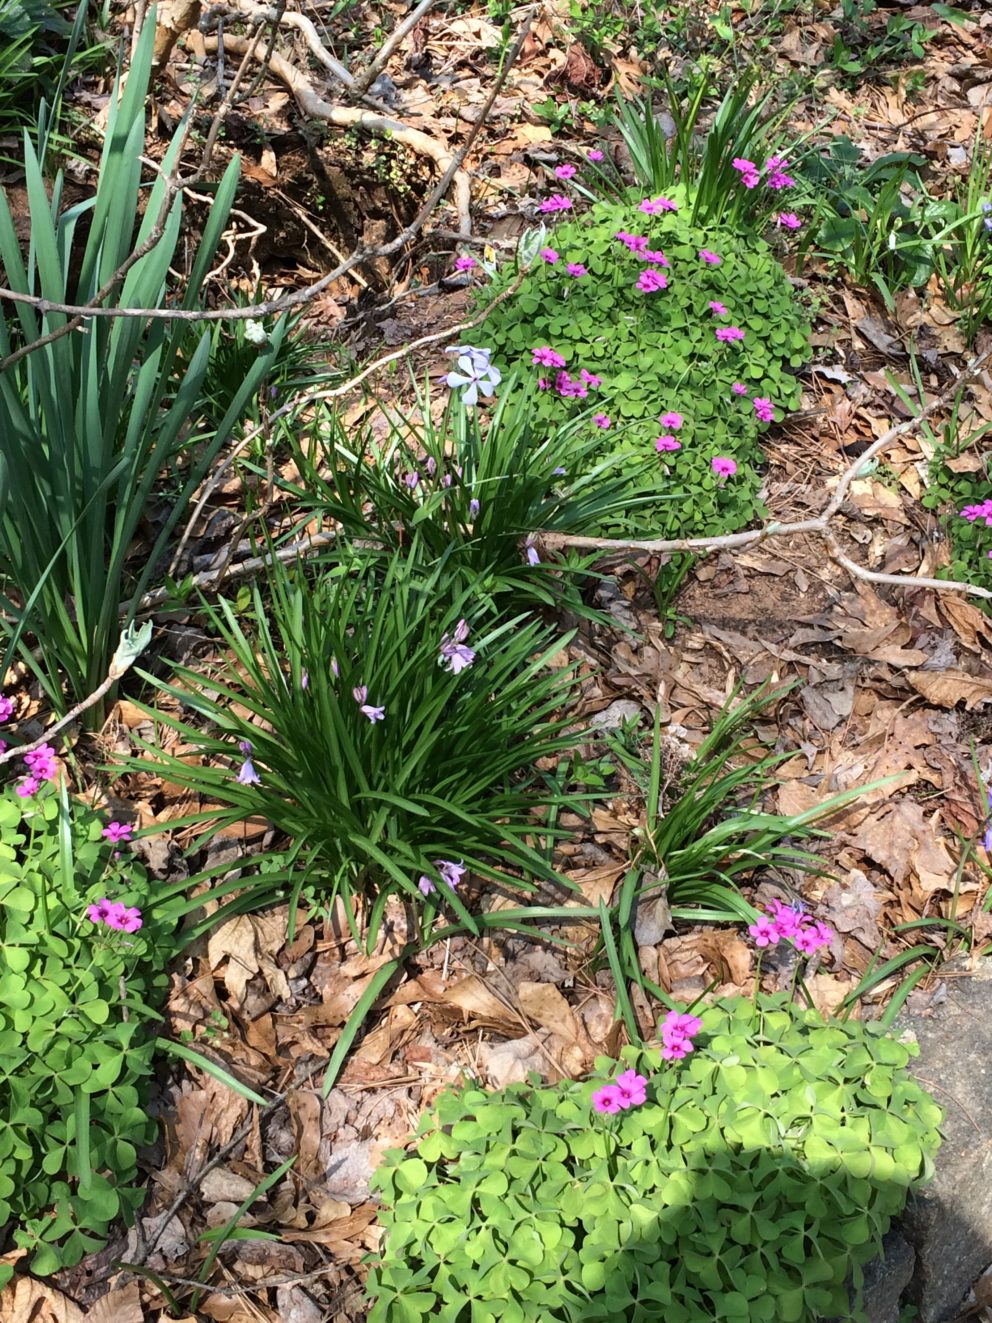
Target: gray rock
{"points": [[949, 1221], [886, 1279]]}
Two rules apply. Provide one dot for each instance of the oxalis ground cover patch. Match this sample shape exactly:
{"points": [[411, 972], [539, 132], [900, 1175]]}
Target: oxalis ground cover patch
{"points": [[671, 338]]}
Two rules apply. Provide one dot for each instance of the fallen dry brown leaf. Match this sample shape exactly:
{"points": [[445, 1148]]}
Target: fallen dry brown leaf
{"points": [[26, 1300], [948, 688], [545, 1005]]}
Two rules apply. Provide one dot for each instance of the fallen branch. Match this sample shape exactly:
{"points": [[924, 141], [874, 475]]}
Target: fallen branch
{"points": [[344, 117], [368, 76], [299, 298]]}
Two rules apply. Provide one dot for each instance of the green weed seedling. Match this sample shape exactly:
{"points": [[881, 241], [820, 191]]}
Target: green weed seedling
{"points": [[741, 1183]]}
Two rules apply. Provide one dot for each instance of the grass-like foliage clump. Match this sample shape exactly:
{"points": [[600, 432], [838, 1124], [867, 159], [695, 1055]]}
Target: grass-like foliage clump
{"points": [[742, 1183], [656, 319], [387, 727], [471, 487], [75, 1046]]}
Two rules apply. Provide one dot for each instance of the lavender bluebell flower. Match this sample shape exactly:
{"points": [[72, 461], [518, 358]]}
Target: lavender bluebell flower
{"points": [[247, 776], [473, 508], [455, 656], [451, 873], [475, 373]]}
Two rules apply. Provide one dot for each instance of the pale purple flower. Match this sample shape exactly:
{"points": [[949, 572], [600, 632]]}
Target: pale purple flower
{"points": [[360, 693], [788, 220], [532, 557], [594, 155], [547, 357], [650, 280], [374, 714], [671, 419], [717, 308], [548, 255], [576, 269], [430, 466], [475, 372], [247, 776], [601, 420], [709, 257], [763, 408], [335, 669], [723, 467], [566, 171], [473, 508], [455, 655], [556, 202], [464, 263], [117, 831], [411, 479], [667, 443], [728, 333], [451, 873], [304, 680]]}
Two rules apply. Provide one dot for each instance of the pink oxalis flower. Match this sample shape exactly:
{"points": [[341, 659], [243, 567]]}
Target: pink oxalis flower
{"points": [[651, 280]]}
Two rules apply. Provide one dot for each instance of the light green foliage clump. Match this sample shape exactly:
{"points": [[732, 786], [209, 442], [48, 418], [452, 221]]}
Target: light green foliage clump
{"points": [[75, 1051], [658, 351], [756, 1174]]}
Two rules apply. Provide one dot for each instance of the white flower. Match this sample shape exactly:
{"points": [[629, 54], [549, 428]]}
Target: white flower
{"points": [[255, 332], [474, 372]]}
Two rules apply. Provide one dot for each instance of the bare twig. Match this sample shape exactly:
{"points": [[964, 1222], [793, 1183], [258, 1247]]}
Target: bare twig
{"points": [[314, 107], [368, 76], [84, 705], [818, 524], [211, 579]]}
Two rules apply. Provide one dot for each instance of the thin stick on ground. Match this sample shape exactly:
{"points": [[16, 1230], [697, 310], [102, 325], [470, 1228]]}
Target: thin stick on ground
{"points": [[818, 524]]}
